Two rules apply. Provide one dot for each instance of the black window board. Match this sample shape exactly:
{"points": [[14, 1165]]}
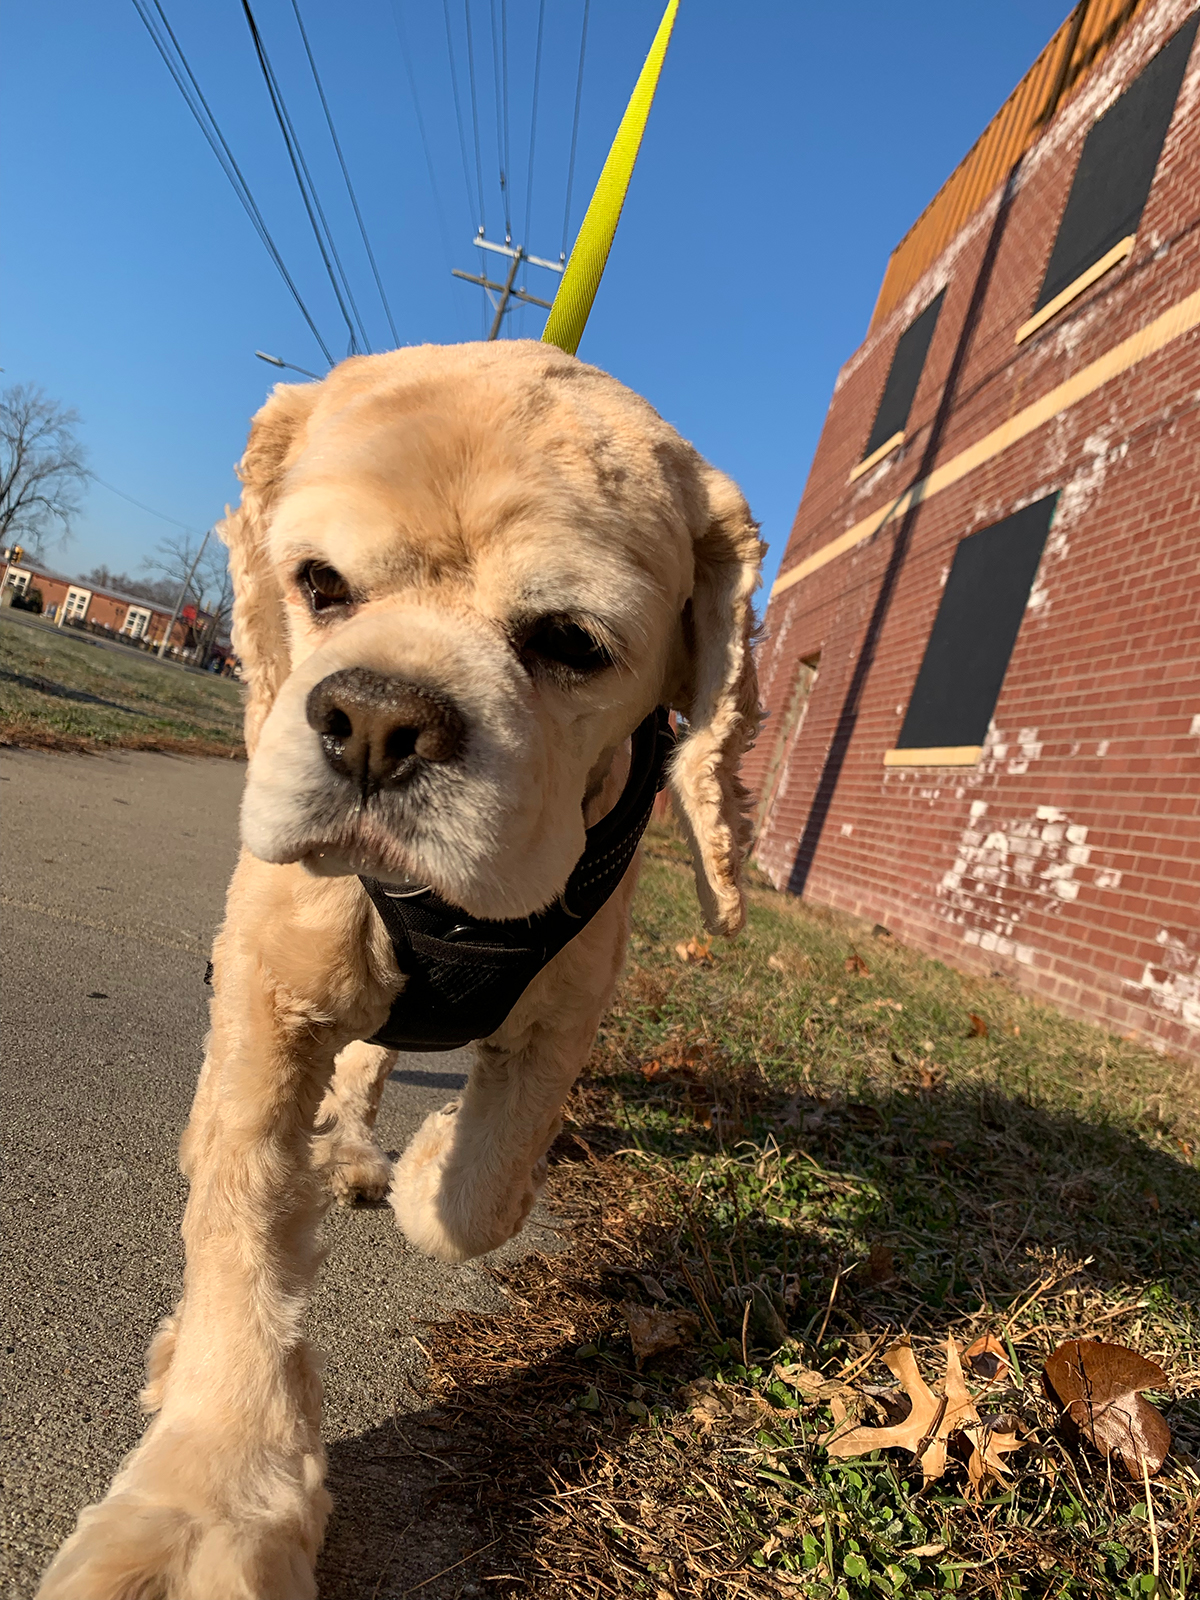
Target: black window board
{"points": [[903, 377], [1116, 168], [974, 631]]}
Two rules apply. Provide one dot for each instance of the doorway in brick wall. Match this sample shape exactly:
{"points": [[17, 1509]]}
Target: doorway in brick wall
{"points": [[786, 734]]}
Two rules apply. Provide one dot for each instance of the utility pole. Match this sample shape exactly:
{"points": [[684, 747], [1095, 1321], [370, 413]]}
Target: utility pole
{"points": [[501, 294], [187, 583]]}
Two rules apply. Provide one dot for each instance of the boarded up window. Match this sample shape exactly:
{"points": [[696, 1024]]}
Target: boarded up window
{"points": [[974, 631], [1116, 169], [787, 733], [900, 389]]}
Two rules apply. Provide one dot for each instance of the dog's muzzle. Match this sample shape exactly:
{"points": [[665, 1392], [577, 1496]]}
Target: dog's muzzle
{"points": [[377, 731]]}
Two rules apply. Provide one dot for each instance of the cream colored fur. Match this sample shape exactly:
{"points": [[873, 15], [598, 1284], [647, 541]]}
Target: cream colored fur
{"points": [[459, 492]]}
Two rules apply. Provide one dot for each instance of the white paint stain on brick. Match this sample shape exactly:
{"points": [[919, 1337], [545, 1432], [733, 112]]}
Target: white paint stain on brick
{"points": [[1030, 747], [1171, 985], [1003, 872]]}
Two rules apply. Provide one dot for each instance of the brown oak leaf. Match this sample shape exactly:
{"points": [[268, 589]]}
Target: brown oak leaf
{"points": [[929, 1424], [991, 1441]]}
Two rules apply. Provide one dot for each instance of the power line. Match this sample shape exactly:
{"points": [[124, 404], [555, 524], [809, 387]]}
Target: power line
{"points": [[458, 116], [362, 227], [498, 97], [162, 516], [575, 128], [537, 73], [504, 81], [416, 99], [475, 114], [300, 169], [195, 102]]}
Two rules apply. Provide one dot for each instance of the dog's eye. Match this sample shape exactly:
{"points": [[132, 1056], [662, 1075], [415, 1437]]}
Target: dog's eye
{"points": [[324, 586], [559, 642]]}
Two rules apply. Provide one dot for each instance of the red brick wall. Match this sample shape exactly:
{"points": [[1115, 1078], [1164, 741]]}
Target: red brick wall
{"points": [[105, 610], [1069, 857]]}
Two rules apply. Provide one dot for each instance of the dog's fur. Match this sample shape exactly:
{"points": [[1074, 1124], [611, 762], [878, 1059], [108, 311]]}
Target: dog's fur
{"points": [[461, 492]]}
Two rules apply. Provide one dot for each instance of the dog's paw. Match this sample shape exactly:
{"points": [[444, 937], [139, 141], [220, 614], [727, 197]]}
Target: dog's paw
{"points": [[455, 1203], [197, 1542], [353, 1169]]}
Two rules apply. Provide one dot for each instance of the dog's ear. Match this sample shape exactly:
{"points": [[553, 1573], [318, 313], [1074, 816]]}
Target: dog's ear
{"points": [[260, 637], [719, 698]]}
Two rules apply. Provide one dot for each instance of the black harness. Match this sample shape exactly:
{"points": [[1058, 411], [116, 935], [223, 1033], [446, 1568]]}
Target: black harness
{"points": [[464, 974]]}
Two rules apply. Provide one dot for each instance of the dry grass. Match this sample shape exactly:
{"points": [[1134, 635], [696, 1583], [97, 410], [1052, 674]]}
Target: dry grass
{"points": [[65, 692], [803, 1172]]}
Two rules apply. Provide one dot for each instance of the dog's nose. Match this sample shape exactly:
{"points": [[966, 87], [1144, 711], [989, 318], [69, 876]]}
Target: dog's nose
{"points": [[375, 730]]}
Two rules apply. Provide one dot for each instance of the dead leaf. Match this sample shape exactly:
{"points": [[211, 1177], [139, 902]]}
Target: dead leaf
{"points": [[987, 1358], [929, 1076], [928, 1425], [991, 1441], [979, 1028], [793, 963], [1099, 1387], [893, 1005], [652, 1330], [855, 964], [940, 1147], [880, 1266], [652, 1069], [814, 1385], [695, 952]]}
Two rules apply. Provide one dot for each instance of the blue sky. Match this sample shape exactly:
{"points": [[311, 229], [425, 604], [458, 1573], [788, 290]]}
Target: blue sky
{"points": [[790, 147]]}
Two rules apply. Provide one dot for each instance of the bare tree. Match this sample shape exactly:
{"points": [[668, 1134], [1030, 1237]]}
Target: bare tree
{"points": [[159, 591], [210, 588], [42, 468]]}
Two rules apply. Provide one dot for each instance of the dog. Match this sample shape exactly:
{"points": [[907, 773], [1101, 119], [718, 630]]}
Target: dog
{"points": [[464, 577]]}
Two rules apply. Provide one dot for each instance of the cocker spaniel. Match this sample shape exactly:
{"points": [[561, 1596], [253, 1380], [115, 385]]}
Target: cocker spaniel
{"points": [[469, 582]]}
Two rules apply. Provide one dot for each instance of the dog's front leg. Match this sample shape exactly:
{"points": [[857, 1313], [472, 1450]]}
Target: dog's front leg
{"points": [[345, 1151], [223, 1498], [470, 1177]]}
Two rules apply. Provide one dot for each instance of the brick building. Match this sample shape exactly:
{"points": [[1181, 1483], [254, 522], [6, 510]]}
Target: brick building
{"points": [[98, 609], [982, 654]]}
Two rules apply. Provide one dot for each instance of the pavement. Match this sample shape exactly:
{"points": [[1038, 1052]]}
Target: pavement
{"points": [[112, 878]]}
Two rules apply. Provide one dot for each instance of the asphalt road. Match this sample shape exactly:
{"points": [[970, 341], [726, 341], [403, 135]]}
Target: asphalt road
{"points": [[112, 879]]}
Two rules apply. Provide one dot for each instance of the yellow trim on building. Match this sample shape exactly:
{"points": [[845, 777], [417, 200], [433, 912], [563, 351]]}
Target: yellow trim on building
{"points": [[1180, 319], [885, 449], [946, 755], [1085, 280]]}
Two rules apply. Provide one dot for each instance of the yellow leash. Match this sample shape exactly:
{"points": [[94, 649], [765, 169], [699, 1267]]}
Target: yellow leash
{"points": [[573, 302]]}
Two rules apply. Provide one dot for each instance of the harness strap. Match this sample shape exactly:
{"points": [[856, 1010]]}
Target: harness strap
{"points": [[466, 974]]}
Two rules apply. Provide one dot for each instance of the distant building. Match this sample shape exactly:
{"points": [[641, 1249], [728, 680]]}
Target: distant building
{"points": [[106, 611], [982, 661]]}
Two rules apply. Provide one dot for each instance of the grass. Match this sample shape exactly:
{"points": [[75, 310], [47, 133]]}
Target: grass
{"points": [[804, 1158], [60, 692]]}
